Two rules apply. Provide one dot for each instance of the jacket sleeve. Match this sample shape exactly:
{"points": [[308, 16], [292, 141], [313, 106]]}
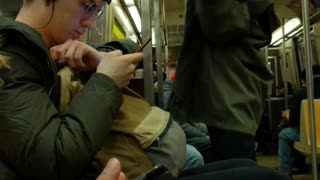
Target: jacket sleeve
{"points": [[37, 141]]}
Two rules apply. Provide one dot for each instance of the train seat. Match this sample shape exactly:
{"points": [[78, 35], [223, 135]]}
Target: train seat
{"points": [[304, 145]]}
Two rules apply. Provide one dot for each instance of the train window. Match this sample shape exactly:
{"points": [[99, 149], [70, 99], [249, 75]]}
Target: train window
{"points": [[302, 58], [117, 30]]}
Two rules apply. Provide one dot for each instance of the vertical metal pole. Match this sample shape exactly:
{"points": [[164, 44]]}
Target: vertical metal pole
{"points": [[269, 90], [276, 71], [284, 62], [104, 23], [88, 35], [157, 29], [165, 37], [308, 55], [147, 60], [166, 54], [109, 14]]}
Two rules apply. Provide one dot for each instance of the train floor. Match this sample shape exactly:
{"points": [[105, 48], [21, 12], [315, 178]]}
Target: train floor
{"points": [[271, 161]]}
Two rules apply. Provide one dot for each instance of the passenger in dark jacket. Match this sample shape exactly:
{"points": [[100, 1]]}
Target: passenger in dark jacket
{"points": [[37, 142], [221, 77]]}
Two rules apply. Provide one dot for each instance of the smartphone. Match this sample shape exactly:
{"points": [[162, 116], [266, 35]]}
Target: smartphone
{"points": [[143, 44], [159, 172]]}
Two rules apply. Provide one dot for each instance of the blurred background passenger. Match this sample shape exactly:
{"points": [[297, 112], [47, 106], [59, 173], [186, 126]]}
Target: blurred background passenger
{"points": [[280, 90], [292, 133]]}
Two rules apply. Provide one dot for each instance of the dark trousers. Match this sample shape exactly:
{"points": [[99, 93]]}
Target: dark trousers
{"points": [[232, 169], [231, 144]]}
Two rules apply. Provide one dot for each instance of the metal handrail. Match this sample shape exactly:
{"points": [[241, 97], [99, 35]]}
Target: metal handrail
{"points": [[313, 19], [310, 91]]}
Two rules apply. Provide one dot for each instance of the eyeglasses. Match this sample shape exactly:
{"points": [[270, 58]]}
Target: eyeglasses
{"points": [[108, 1], [91, 9]]}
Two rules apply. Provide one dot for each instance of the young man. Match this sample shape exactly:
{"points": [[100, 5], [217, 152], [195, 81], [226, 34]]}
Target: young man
{"points": [[36, 141]]}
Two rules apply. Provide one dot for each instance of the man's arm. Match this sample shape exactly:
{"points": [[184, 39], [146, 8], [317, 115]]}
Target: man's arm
{"points": [[39, 142]]}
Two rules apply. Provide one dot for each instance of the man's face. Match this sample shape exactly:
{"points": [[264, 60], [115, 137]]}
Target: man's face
{"points": [[72, 17]]}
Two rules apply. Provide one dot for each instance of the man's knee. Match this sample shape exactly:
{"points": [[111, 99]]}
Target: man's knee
{"points": [[284, 133], [193, 158]]}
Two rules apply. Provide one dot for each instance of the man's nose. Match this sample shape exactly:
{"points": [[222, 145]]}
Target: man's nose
{"points": [[89, 22]]}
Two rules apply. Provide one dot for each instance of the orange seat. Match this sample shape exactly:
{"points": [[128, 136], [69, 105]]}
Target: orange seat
{"points": [[304, 145]]}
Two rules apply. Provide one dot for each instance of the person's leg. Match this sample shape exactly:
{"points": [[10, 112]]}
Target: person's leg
{"points": [[286, 137], [203, 145], [193, 158], [241, 173], [218, 166], [299, 165], [230, 144]]}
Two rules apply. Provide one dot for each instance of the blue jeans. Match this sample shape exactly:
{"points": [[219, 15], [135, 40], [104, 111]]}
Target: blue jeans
{"points": [[286, 138], [193, 158]]}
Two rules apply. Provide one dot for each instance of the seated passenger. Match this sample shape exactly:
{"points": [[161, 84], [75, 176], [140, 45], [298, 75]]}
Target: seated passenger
{"points": [[290, 134], [280, 90], [173, 159]]}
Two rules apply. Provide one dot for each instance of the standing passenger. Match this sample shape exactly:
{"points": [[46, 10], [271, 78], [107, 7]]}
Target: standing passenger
{"points": [[222, 77]]}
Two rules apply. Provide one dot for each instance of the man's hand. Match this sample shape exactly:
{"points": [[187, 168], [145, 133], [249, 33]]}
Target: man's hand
{"points": [[119, 67], [112, 171], [286, 114], [76, 54]]}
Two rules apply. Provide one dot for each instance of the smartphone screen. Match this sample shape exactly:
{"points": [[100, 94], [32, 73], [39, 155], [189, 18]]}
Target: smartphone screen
{"points": [[143, 44]]}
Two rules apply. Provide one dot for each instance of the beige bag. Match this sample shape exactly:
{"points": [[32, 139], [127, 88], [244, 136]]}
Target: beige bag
{"points": [[133, 132]]}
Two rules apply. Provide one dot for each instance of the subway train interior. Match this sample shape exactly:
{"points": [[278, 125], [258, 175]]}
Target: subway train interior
{"points": [[295, 46]]}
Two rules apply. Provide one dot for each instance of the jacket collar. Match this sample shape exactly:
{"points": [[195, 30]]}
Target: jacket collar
{"points": [[28, 32], [29, 35]]}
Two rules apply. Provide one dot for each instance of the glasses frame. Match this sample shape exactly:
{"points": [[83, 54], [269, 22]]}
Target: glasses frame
{"points": [[108, 1], [91, 8]]}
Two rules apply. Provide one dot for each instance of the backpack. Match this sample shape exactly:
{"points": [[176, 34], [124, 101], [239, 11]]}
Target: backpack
{"points": [[138, 131]]}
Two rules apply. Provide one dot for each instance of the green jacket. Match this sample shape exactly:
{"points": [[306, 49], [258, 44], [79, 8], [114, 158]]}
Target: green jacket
{"points": [[36, 141], [221, 76]]}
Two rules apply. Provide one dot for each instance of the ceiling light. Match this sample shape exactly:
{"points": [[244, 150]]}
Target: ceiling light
{"points": [[277, 42], [288, 27], [123, 18], [129, 2], [135, 16]]}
